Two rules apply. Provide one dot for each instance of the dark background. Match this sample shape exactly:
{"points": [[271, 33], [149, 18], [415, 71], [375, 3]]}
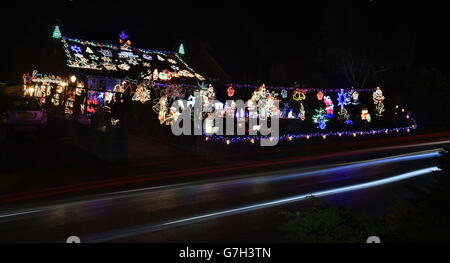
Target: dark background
{"points": [[247, 39], [275, 42]]}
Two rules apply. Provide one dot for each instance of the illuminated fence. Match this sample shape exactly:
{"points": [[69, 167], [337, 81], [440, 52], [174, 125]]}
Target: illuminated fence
{"points": [[309, 113]]}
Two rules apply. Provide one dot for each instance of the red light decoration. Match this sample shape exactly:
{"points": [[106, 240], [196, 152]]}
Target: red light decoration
{"points": [[230, 91], [165, 75], [92, 105], [78, 91]]}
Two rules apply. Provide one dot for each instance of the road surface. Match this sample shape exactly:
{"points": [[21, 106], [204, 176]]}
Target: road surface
{"points": [[142, 213]]}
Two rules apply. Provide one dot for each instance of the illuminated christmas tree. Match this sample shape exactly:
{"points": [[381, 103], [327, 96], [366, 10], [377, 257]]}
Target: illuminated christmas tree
{"points": [[181, 49], [56, 33]]}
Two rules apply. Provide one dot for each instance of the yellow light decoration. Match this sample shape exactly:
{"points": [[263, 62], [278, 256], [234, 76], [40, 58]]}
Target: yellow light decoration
{"points": [[299, 95], [365, 115]]}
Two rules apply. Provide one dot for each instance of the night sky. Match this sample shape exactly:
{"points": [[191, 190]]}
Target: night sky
{"points": [[248, 40]]}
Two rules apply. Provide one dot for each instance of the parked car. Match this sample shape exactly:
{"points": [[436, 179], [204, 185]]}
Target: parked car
{"points": [[22, 114]]}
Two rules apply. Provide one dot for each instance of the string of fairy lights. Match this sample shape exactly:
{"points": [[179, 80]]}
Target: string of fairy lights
{"points": [[308, 136]]}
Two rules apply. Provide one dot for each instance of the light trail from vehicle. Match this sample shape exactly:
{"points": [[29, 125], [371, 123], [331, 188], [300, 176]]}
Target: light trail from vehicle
{"points": [[254, 178], [9, 198], [124, 233]]}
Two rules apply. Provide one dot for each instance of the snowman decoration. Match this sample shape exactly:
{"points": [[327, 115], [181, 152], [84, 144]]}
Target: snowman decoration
{"points": [[365, 116]]}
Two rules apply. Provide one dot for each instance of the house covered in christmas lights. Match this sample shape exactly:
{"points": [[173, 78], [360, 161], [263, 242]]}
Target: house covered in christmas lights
{"points": [[99, 70], [98, 75]]}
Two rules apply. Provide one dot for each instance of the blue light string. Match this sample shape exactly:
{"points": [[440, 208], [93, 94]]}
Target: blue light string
{"points": [[293, 137]]}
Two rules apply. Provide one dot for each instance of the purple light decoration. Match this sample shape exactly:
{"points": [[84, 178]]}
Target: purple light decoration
{"points": [[123, 35], [292, 88]]}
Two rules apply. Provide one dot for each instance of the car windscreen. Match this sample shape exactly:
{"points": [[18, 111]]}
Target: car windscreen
{"points": [[19, 103]]}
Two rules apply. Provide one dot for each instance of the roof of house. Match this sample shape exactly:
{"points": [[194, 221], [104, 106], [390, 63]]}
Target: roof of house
{"points": [[125, 60]]}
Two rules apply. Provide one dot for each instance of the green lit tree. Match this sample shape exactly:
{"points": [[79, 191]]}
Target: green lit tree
{"points": [[181, 49], [56, 33]]}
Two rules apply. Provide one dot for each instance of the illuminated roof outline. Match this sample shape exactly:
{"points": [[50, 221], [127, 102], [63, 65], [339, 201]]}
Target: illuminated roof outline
{"points": [[125, 60]]}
